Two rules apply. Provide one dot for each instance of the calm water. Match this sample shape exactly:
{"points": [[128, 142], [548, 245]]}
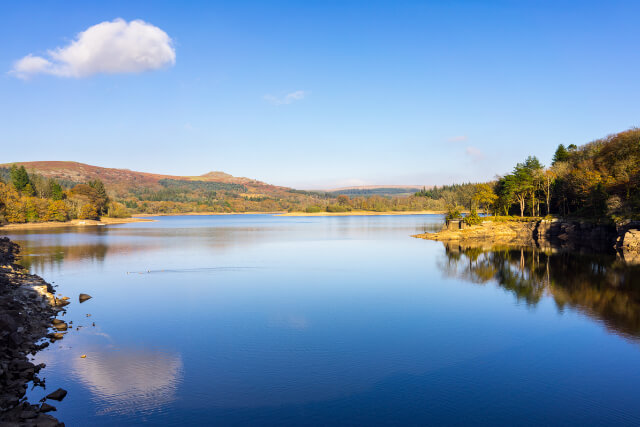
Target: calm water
{"points": [[256, 319]]}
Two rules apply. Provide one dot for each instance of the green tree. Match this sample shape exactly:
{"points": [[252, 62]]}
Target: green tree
{"points": [[19, 177], [102, 199], [561, 154], [55, 190]]}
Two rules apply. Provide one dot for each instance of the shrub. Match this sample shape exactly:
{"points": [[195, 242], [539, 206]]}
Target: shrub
{"points": [[454, 212], [472, 218], [338, 208], [313, 209]]}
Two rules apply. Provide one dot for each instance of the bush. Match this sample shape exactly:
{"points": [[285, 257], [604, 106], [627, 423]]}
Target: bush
{"points": [[313, 209], [453, 212], [472, 218], [338, 208]]}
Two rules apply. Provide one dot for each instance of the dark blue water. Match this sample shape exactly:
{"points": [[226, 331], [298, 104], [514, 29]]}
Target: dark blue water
{"points": [[264, 320]]}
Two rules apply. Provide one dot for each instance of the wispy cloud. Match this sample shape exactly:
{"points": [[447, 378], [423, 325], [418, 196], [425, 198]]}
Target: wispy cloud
{"points": [[459, 138], [474, 153], [109, 47], [289, 98]]}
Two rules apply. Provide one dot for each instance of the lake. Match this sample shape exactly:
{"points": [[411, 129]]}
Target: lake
{"points": [[268, 320]]}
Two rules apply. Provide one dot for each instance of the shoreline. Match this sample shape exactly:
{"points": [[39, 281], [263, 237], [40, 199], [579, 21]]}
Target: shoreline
{"points": [[28, 308], [362, 213], [72, 223], [623, 239], [146, 215]]}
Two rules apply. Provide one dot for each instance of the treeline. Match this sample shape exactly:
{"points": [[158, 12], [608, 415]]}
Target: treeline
{"points": [[387, 191], [599, 180], [28, 197], [344, 203]]}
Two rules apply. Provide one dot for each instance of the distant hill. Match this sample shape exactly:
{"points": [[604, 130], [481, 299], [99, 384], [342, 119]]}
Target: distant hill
{"points": [[80, 172], [151, 193], [142, 192]]}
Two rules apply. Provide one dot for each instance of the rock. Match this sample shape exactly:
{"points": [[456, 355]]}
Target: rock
{"points": [[45, 407], [58, 395], [631, 240], [61, 303], [26, 415], [61, 326], [56, 336], [57, 321], [83, 297], [84, 356]]}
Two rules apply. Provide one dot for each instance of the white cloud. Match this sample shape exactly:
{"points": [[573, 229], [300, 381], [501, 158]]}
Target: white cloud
{"points": [[459, 138], [474, 153], [287, 99], [108, 47]]}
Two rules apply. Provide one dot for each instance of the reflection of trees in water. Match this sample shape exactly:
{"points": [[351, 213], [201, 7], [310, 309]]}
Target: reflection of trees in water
{"points": [[37, 258], [599, 285]]}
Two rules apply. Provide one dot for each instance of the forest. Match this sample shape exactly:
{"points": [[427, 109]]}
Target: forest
{"points": [[599, 181]]}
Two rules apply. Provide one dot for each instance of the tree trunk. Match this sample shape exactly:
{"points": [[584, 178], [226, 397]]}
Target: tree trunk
{"points": [[522, 207]]}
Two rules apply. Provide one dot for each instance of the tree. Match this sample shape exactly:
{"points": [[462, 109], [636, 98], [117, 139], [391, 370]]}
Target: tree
{"points": [[13, 206], [547, 178], [343, 200], [19, 177], [88, 211], [55, 190], [58, 211], [484, 196], [102, 199], [561, 155], [505, 192]]}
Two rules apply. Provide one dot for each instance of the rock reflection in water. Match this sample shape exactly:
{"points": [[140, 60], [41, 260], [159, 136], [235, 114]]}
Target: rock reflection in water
{"points": [[130, 381], [599, 285]]}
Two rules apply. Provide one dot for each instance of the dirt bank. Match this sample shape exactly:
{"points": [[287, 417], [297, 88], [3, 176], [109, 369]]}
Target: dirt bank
{"points": [[72, 223], [568, 234]]}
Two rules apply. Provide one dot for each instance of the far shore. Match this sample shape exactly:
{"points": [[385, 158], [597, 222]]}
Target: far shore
{"points": [[72, 223], [362, 213], [146, 215], [146, 218]]}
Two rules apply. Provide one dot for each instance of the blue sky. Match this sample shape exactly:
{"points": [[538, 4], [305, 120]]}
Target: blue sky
{"points": [[324, 94]]}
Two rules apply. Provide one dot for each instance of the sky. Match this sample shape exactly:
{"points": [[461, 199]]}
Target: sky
{"points": [[315, 94]]}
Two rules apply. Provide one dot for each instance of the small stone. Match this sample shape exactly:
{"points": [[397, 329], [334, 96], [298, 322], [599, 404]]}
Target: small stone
{"points": [[61, 326], [84, 356], [26, 415], [58, 395], [83, 297], [45, 407]]}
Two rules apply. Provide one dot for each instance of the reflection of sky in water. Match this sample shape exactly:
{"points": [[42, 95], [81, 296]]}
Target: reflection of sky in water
{"points": [[129, 381], [266, 320]]}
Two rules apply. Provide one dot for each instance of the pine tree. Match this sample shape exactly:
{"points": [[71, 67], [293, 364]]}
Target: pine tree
{"points": [[561, 155], [19, 177]]}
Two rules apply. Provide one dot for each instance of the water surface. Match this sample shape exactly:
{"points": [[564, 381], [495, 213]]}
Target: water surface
{"points": [[258, 319]]}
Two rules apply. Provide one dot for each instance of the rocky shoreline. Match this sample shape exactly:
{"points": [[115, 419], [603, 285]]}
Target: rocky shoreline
{"points": [[28, 308], [624, 238]]}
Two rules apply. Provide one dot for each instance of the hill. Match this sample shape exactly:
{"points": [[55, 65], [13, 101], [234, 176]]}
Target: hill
{"points": [[157, 193]]}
